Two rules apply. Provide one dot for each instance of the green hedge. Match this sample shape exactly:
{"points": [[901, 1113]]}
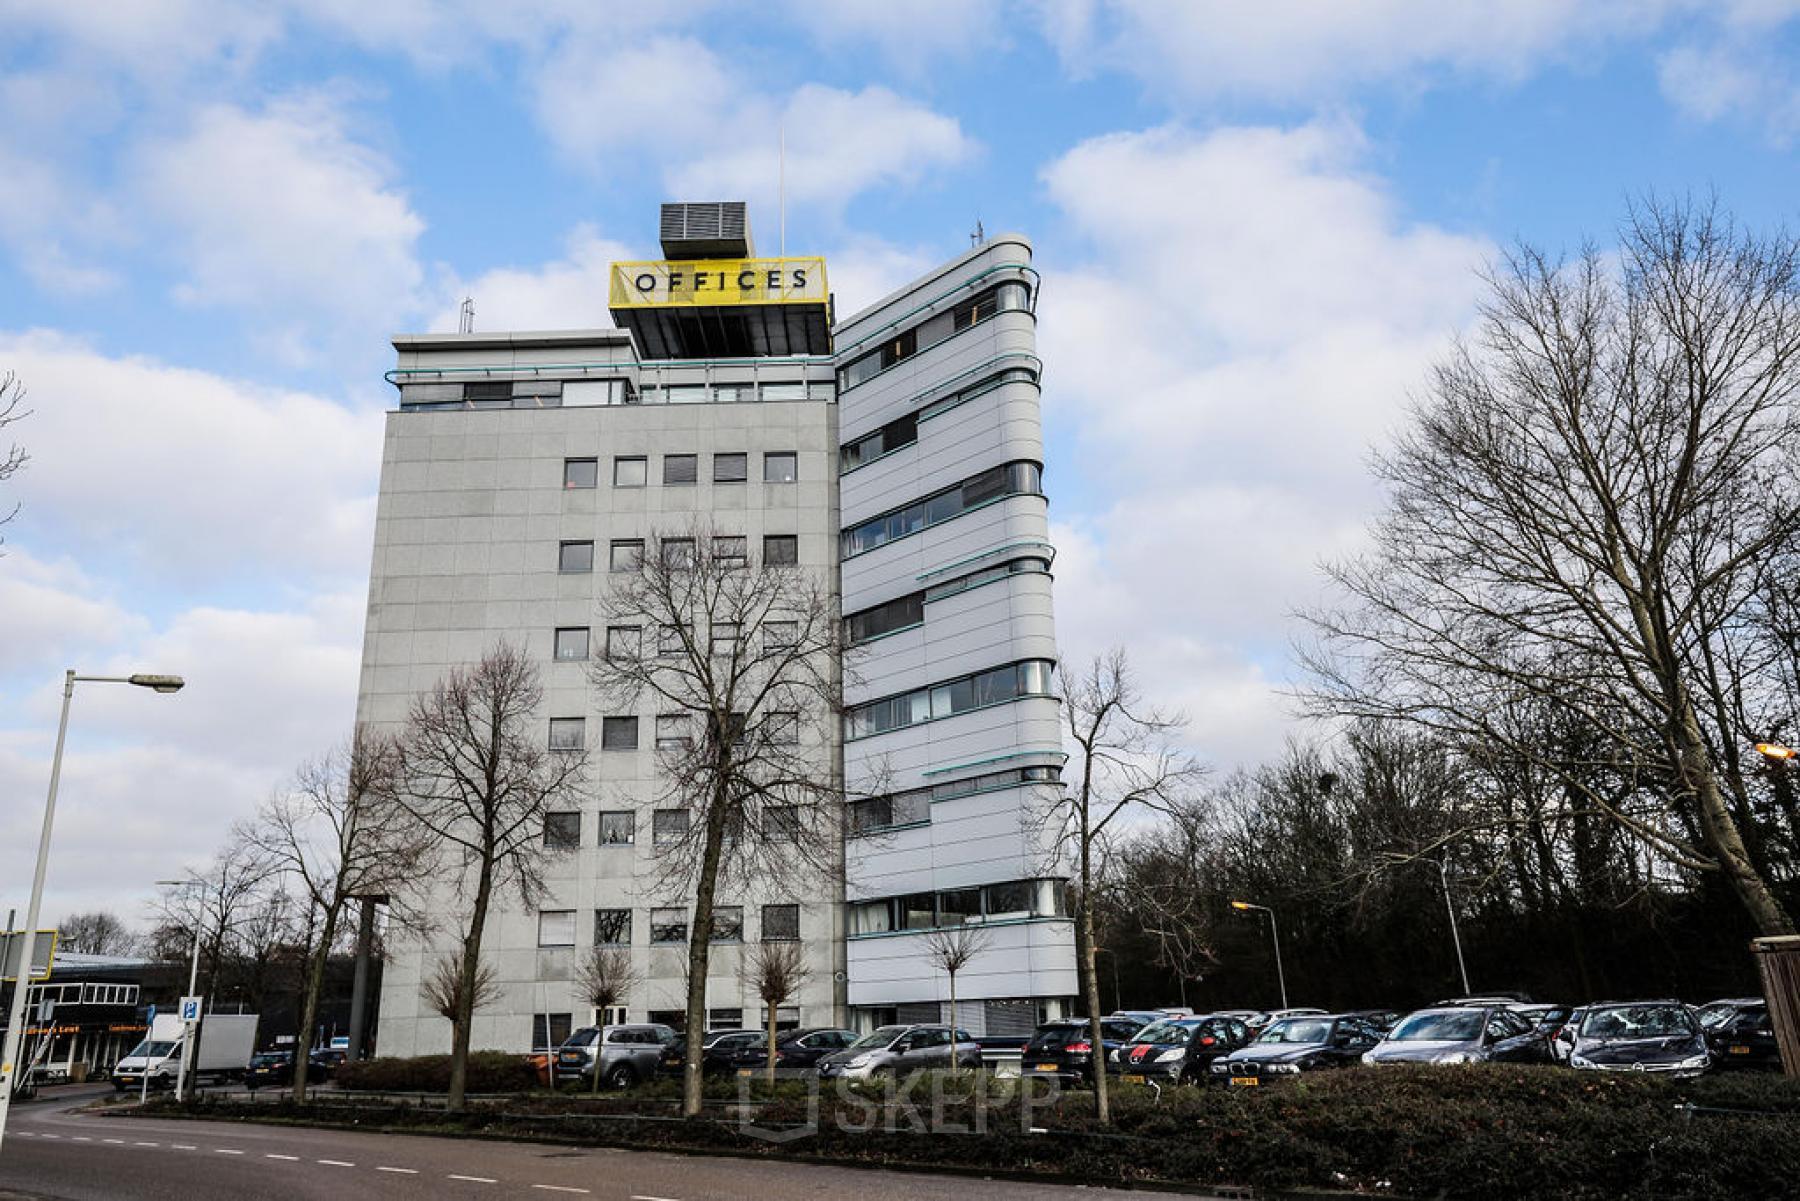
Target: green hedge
{"points": [[489, 1072]]}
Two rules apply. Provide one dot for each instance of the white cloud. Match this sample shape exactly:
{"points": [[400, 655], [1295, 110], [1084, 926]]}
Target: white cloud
{"points": [[184, 475], [1297, 50], [910, 35], [569, 293], [1740, 68], [283, 214], [1249, 319], [53, 609]]}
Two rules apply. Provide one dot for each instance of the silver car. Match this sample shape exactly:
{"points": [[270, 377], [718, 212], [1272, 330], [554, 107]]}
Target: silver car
{"points": [[623, 1055], [900, 1050]]}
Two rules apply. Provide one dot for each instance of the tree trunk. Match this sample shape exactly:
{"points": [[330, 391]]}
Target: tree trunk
{"points": [[1090, 984], [1722, 833], [465, 1001], [699, 955], [955, 1065], [771, 1016], [309, 1008]]}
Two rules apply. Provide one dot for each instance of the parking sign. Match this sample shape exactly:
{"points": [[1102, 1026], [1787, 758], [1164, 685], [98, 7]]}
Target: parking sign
{"points": [[190, 1009]]}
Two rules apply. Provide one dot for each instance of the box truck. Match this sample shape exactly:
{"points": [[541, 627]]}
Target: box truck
{"points": [[226, 1042]]}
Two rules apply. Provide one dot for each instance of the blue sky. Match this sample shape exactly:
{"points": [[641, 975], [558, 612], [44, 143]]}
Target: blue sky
{"points": [[1258, 225]]}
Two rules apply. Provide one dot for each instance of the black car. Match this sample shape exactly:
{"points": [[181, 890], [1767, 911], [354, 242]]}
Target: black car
{"points": [[1064, 1049], [1382, 1019], [1640, 1036], [716, 1050], [1179, 1050], [1462, 1034], [1741, 1035], [275, 1069], [1295, 1045], [795, 1050]]}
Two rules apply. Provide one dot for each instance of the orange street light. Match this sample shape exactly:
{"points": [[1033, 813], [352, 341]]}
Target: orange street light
{"points": [[1776, 751], [1275, 935]]}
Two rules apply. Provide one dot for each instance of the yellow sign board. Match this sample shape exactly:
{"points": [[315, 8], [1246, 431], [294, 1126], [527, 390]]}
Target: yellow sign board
{"points": [[710, 283]]}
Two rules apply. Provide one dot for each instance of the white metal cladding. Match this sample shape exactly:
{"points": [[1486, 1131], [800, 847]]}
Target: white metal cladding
{"points": [[987, 837]]}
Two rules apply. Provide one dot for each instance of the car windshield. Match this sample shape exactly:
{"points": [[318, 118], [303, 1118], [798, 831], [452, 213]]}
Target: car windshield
{"points": [[1296, 1030], [1636, 1021], [878, 1038], [154, 1050], [1162, 1032], [1439, 1027], [582, 1038], [1714, 1016]]}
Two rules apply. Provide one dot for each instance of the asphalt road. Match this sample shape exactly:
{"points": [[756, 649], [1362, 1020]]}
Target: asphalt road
{"points": [[51, 1151]]}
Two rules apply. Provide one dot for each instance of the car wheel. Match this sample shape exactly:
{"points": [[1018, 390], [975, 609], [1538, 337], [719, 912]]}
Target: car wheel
{"points": [[620, 1076]]}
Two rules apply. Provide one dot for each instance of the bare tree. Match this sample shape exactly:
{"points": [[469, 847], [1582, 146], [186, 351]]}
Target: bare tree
{"points": [[775, 971], [216, 902], [1125, 758], [477, 777], [739, 661], [950, 951], [1585, 518], [605, 978], [13, 457], [339, 834], [454, 993], [98, 932]]}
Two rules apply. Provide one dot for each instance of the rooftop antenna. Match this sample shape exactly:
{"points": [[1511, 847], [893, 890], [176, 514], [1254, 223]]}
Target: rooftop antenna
{"points": [[465, 319], [978, 236], [781, 183]]}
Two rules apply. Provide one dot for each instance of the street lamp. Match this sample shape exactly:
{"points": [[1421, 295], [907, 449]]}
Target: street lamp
{"points": [[189, 1037], [1280, 977], [1455, 937], [1776, 752], [15, 1029]]}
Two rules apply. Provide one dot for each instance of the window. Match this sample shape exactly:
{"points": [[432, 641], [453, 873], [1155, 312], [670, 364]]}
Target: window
{"points": [[668, 826], [731, 468], [562, 830], [899, 347], [618, 733], [550, 1030], [612, 927], [903, 431], [781, 823], [781, 550], [780, 923], [779, 392], [898, 614], [571, 643], [728, 923], [681, 469], [959, 906], [670, 640], [618, 827], [783, 727], [581, 473], [970, 312], [1033, 677], [568, 733], [1012, 899], [626, 554], [1009, 479], [781, 467], [871, 917], [678, 554], [725, 638], [987, 575], [668, 925], [631, 472], [556, 928], [731, 550], [915, 912], [778, 635], [575, 557], [622, 642], [673, 730]]}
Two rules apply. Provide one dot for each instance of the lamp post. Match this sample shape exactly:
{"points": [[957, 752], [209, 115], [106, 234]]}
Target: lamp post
{"points": [[15, 1029], [191, 1036], [1455, 937], [1280, 977]]}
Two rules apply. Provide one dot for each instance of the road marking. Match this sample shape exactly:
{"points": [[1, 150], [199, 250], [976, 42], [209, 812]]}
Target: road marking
{"points": [[146, 1144], [59, 1136], [183, 1147], [226, 1151], [402, 1171], [289, 1158], [336, 1163], [80, 1138], [642, 1197], [475, 1179], [116, 1141], [560, 1188]]}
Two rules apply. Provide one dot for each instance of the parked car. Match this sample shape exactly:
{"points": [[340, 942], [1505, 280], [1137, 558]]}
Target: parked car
{"points": [[331, 1058], [1064, 1049], [717, 1048], [1563, 1037], [1462, 1034], [1546, 1019], [1142, 1017], [900, 1050], [276, 1070], [1179, 1050], [795, 1050], [1267, 1016], [623, 1055], [1640, 1036], [1293, 1045], [1742, 1037], [1382, 1019], [1499, 998]]}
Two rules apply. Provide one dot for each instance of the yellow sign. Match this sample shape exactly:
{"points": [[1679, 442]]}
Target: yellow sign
{"points": [[708, 283]]}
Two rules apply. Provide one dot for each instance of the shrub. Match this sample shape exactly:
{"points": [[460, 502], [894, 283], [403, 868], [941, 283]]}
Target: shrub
{"points": [[489, 1072]]}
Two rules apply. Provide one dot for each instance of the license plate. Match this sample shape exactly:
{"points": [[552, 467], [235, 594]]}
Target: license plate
{"points": [[1740, 1050], [1133, 1079], [746, 1072], [1046, 1067], [1245, 1081]]}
